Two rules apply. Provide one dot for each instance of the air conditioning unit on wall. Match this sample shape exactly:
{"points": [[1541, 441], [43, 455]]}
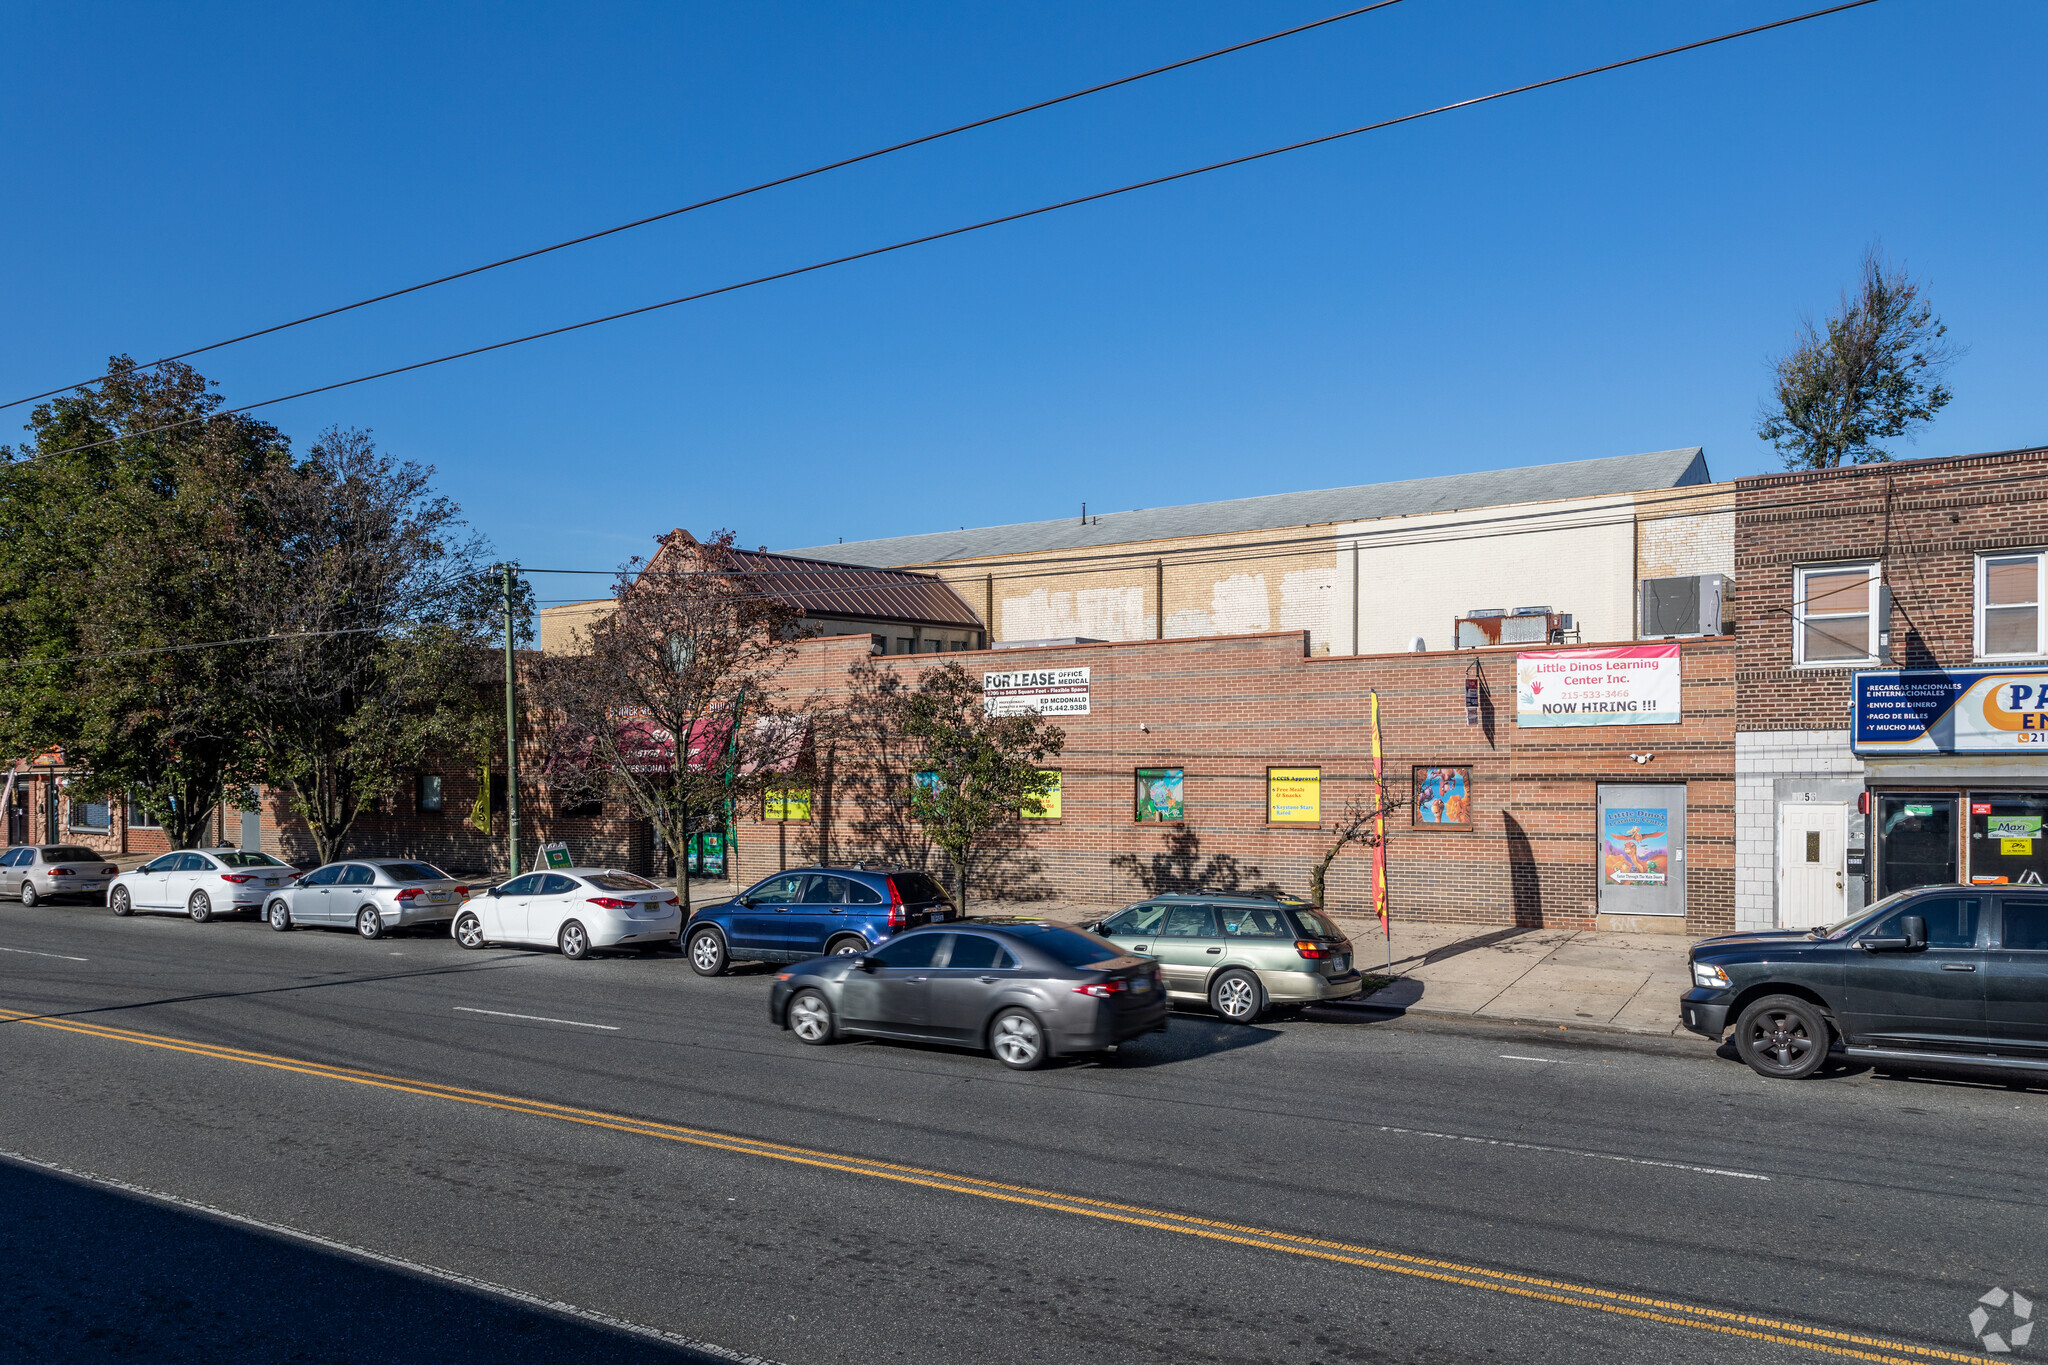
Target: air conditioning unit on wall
{"points": [[1482, 627], [1673, 607]]}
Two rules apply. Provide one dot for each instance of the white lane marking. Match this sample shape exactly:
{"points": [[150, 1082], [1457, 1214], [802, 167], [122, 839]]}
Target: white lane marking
{"points": [[540, 1019], [1552, 1061], [1573, 1151], [416, 1267], [61, 957]]}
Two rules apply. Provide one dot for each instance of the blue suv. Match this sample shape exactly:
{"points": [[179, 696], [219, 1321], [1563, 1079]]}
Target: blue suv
{"points": [[812, 912]]}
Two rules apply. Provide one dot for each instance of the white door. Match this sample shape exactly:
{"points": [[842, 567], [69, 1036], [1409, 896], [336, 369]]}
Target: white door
{"points": [[546, 911], [1811, 885]]}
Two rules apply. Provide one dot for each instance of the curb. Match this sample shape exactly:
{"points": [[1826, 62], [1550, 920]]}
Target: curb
{"points": [[1546, 1025]]}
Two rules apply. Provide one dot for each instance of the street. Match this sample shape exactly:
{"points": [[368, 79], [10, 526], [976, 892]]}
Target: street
{"points": [[637, 1152]]}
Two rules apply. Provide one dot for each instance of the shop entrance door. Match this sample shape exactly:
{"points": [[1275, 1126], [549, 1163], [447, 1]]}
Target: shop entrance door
{"points": [[1812, 885], [1642, 850], [17, 814], [1916, 841]]}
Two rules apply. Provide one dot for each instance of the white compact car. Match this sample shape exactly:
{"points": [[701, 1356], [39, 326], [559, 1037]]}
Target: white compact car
{"points": [[576, 909], [201, 882]]}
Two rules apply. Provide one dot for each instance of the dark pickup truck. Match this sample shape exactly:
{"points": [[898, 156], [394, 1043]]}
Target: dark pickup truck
{"points": [[1938, 973]]}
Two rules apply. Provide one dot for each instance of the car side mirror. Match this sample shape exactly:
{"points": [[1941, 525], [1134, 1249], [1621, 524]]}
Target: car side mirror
{"points": [[743, 903], [493, 893], [868, 964], [1916, 932]]}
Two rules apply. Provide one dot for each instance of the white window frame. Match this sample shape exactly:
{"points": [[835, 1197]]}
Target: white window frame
{"points": [[1875, 571], [1978, 593]]}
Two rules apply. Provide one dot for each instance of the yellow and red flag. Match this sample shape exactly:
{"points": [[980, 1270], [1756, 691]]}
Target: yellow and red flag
{"points": [[1379, 824]]}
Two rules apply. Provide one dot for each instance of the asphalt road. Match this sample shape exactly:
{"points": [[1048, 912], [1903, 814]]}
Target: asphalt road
{"points": [[227, 1144]]}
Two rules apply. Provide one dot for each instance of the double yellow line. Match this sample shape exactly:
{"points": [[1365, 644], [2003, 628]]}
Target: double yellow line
{"points": [[1647, 1308]]}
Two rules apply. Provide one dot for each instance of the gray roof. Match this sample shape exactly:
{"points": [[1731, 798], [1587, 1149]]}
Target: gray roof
{"points": [[1405, 497]]}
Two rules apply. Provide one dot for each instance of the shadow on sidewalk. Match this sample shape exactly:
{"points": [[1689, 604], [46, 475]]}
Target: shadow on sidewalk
{"points": [[92, 1273]]}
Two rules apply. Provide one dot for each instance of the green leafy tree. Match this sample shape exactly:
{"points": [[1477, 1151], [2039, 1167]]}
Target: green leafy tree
{"points": [[1871, 372], [984, 769], [126, 526], [1356, 827]]}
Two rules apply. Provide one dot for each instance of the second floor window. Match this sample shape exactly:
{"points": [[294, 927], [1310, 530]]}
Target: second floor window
{"points": [[2009, 595], [1834, 614]]}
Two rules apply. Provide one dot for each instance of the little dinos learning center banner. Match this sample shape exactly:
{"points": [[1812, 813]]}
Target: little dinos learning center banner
{"points": [[1618, 685]]}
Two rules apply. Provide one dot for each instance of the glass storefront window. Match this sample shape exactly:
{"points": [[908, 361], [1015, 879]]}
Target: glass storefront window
{"points": [[2006, 843], [1916, 834]]}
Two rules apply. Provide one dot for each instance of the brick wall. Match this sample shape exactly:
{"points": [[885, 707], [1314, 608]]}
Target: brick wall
{"points": [[1226, 709]]}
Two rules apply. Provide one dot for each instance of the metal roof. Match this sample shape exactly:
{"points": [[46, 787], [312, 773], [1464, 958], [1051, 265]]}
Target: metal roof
{"points": [[820, 587], [1405, 497]]}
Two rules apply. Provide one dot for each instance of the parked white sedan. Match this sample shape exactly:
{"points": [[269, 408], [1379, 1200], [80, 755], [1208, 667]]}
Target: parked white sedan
{"points": [[202, 883], [576, 909], [371, 895]]}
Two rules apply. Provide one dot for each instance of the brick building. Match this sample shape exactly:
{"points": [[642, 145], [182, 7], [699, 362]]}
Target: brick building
{"points": [[1878, 605]]}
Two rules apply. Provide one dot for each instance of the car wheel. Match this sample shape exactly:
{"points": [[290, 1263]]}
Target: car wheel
{"points": [[574, 941], [118, 902], [1782, 1037], [28, 893], [851, 946], [810, 1018], [707, 953], [1236, 996], [1017, 1040], [369, 922], [469, 930], [279, 914], [200, 907]]}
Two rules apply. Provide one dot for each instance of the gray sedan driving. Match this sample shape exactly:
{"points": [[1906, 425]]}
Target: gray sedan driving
{"points": [[1024, 990], [370, 895]]}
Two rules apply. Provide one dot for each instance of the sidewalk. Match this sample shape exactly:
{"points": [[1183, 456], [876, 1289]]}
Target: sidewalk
{"points": [[1578, 978]]}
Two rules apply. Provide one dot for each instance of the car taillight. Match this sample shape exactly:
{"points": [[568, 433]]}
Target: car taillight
{"points": [[610, 902], [898, 916], [410, 893], [1309, 948], [65, 872], [672, 901], [110, 872], [1102, 990], [462, 891], [238, 878]]}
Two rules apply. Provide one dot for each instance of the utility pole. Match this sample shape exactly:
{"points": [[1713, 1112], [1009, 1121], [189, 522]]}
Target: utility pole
{"points": [[511, 735]]}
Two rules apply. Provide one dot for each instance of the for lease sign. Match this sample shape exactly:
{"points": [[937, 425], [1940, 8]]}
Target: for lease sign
{"points": [[1048, 691], [1621, 685]]}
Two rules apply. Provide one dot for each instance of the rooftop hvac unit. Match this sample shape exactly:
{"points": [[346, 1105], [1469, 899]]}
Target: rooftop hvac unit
{"points": [[1683, 606], [1482, 613], [1523, 628]]}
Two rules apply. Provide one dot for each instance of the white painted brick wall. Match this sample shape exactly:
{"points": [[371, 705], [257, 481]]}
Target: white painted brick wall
{"points": [[1761, 758]]}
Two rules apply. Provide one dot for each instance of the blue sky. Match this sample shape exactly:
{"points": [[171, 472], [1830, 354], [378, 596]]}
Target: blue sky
{"points": [[1587, 271]]}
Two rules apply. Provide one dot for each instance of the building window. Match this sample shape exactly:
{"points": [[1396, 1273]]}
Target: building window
{"points": [[138, 818], [2009, 596], [430, 794], [1834, 617], [91, 814], [583, 807]]}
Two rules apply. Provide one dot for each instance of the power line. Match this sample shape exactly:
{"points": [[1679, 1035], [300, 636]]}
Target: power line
{"points": [[180, 649], [737, 194], [990, 222]]}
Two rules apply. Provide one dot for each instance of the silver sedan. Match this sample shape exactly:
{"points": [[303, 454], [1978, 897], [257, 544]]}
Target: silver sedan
{"points": [[370, 895], [46, 871]]}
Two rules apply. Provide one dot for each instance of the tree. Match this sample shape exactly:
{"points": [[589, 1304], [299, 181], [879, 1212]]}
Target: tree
{"points": [[385, 611], [120, 558], [977, 772], [1874, 373], [1356, 826], [672, 701]]}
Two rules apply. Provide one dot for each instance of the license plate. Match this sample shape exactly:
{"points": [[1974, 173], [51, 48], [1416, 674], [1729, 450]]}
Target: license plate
{"points": [[270, 881], [437, 895], [1141, 984], [937, 916], [1343, 963]]}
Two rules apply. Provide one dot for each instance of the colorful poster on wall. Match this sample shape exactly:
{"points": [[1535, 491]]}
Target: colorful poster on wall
{"points": [[1048, 691], [1294, 796], [1635, 848], [1048, 797], [1443, 798], [1617, 685], [786, 803], [1159, 794], [707, 854]]}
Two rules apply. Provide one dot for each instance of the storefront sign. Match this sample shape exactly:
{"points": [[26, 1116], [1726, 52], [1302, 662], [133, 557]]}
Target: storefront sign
{"points": [[1636, 846], [1048, 796], [1962, 711], [786, 803], [1294, 796], [1621, 685], [1048, 691], [555, 855]]}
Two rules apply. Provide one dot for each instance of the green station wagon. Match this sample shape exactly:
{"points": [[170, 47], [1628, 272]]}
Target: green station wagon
{"points": [[1238, 954]]}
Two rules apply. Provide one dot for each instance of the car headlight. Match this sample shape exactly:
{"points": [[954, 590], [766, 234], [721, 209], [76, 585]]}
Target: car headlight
{"points": [[1708, 975]]}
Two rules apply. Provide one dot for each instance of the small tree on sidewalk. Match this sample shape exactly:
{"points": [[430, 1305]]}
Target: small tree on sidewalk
{"points": [[671, 702], [1354, 828], [979, 772]]}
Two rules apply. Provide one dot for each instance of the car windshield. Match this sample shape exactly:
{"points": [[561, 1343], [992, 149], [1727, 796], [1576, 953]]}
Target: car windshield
{"points": [[1843, 928], [71, 854], [243, 858], [414, 872], [619, 881], [1315, 926], [1069, 946]]}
